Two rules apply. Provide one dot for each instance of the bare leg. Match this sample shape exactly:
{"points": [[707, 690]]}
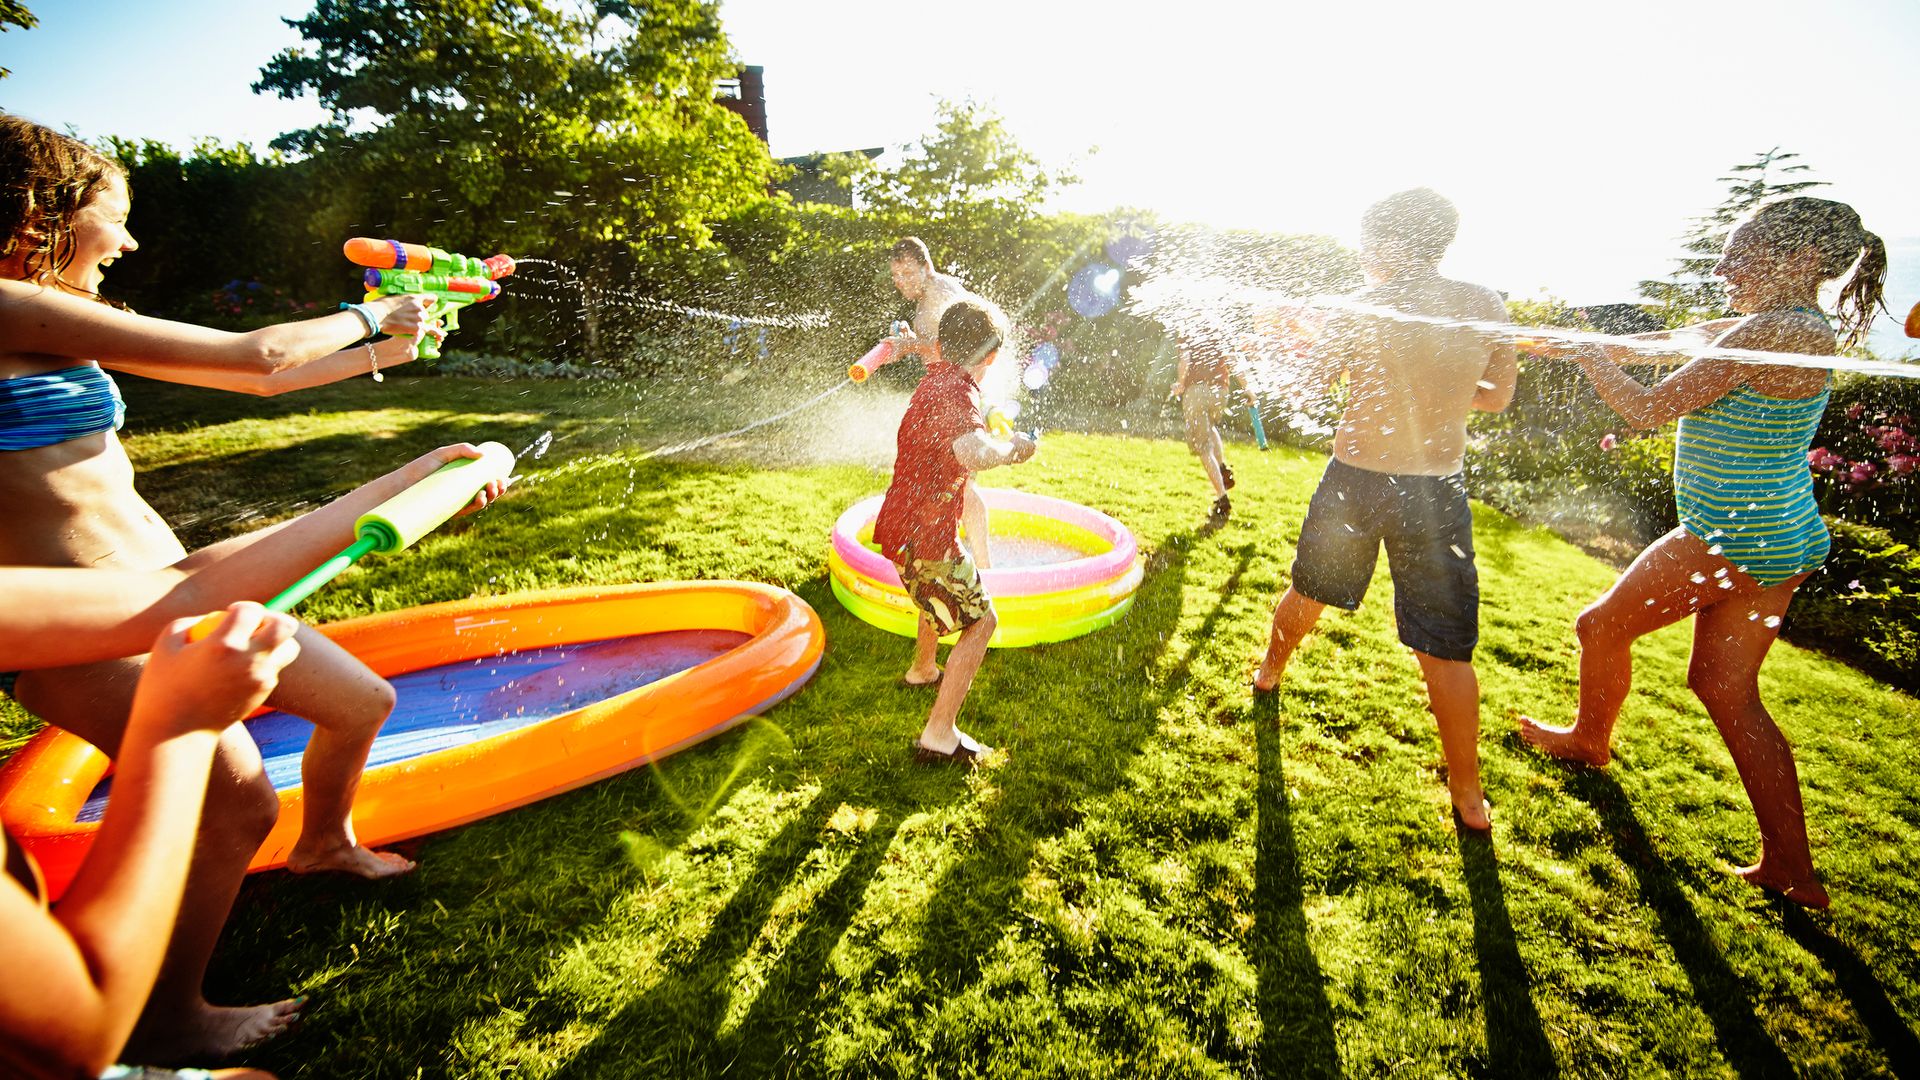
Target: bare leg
{"points": [[1657, 590], [926, 651], [346, 704], [1204, 441], [962, 663], [1728, 648], [1453, 689], [973, 517], [1293, 618], [179, 1024]]}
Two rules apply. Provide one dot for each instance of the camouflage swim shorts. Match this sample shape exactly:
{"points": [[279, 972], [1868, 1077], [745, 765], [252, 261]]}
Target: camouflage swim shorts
{"points": [[948, 590]]}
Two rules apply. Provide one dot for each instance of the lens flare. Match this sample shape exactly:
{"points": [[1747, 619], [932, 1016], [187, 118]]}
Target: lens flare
{"points": [[1094, 290]]}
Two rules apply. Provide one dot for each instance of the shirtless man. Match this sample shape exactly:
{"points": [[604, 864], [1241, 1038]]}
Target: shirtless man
{"points": [[932, 292], [1396, 474]]}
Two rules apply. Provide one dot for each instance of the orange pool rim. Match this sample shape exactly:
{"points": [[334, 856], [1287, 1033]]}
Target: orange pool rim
{"points": [[45, 784]]}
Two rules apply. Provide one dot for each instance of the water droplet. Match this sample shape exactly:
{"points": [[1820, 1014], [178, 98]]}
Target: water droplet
{"points": [[1771, 620], [1715, 550], [1722, 572], [1753, 616], [1457, 553], [1698, 578]]}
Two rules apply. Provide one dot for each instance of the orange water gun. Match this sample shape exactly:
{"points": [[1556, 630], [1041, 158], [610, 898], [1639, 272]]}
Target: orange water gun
{"points": [[450, 281]]}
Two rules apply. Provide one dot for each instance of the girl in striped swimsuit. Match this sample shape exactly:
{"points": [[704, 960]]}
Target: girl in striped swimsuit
{"points": [[1750, 531]]}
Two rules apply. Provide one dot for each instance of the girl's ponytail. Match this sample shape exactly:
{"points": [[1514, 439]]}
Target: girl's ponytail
{"points": [[1862, 292]]}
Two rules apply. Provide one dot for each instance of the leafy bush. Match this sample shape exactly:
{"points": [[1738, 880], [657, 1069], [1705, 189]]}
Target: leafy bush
{"points": [[1866, 455], [1863, 606]]}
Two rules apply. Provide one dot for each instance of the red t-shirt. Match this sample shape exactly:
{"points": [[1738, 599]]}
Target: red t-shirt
{"points": [[923, 504]]}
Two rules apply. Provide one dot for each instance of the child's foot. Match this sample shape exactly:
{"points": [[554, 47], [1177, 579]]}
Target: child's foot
{"points": [[1222, 506], [1473, 812], [1226, 476], [919, 677], [348, 859], [1805, 891], [1564, 743], [1266, 677], [964, 750], [212, 1032]]}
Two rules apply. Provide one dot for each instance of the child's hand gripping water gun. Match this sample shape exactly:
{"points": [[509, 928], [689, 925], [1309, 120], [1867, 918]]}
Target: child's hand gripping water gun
{"points": [[396, 524], [883, 353], [451, 281]]}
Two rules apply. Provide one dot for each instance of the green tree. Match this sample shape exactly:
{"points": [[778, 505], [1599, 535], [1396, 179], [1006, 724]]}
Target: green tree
{"points": [[586, 132], [1692, 293], [15, 13]]}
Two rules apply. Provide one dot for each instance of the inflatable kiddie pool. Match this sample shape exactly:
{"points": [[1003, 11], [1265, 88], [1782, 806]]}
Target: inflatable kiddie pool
{"points": [[502, 701], [1059, 569]]}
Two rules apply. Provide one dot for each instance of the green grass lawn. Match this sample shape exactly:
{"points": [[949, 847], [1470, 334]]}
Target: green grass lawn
{"points": [[1161, 878]]}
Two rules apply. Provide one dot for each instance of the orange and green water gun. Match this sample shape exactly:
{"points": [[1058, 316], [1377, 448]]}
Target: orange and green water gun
{"points": [[451, 281]]}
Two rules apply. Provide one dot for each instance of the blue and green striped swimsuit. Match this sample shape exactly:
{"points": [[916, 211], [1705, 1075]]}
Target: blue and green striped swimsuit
{"points": [[1741, 482]]}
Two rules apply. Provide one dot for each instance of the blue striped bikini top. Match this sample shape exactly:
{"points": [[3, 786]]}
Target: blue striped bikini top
{"points": [[57, 406]]}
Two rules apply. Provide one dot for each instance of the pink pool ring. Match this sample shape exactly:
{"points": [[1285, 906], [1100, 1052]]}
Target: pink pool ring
{"points": [[1061, 569]]}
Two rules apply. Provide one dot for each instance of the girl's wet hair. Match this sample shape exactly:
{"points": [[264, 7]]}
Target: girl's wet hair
{"points": [[1832, 229], [45, 178], [970, 330]]}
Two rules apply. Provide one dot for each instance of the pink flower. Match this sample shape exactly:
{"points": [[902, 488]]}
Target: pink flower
{"points": [[1861, 472], [1608, 442], [1855, 410], [1822, 459], [1900, 463]]}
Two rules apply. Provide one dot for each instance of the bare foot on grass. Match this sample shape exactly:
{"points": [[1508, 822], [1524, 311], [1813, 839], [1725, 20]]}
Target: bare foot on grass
{"points": [[355, 860], [212, 1032], [1807, 891], [919, 677], [1564, 743], [1473, 813], [1266, 678]]}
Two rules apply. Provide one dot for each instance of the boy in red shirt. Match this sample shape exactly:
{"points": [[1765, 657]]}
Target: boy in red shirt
{"points": [[943, 441]]}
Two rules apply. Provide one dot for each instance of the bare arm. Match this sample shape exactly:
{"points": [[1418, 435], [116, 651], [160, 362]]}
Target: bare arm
{"points": [[64, 616], [1695, 386], [1495, 389], [979, 451], [77, 980], [1701, 382], [48, 322]]}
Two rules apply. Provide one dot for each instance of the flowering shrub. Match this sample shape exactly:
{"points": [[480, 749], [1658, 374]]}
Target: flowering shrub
{"points": [[1863, 605], [1866, 457]]}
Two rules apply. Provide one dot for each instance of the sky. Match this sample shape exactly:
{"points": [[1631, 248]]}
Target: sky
{"points": [[1577, 139]]}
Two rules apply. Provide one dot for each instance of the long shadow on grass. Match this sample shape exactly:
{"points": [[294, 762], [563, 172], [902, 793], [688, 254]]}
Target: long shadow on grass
{"points": [[1883, 1021], [675, 1028], [1296, 1020], [1061, 766], [1516, 1042], [470, 932], [1717, 989]]}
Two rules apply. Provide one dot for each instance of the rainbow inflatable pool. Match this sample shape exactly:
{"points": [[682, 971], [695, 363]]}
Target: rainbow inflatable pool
{"points": [[1059, 570], [502, 701]]}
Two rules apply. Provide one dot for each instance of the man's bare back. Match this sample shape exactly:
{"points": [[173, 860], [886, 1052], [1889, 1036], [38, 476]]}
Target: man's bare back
{"points": [[1411, 383]]}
